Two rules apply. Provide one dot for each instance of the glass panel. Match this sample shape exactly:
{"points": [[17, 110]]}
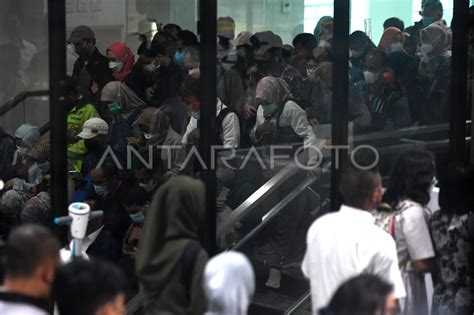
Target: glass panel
{"points": [[268, 201], [24, 133]]}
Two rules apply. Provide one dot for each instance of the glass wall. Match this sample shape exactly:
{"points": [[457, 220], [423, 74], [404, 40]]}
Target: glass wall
{"points": [[25, 180]]}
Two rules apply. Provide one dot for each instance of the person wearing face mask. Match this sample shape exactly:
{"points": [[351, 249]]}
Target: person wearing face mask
{"points": [[404, 66], [157, 131], [267, 51], [121, 60], [185, 40], [435, 73], [91, 66], [281, 121], [110, 187], [168, 75], [359, 44], [386, 101], [304, 44], [141, 77], [227, 121], [136, 204], [37, 160], [225, 35], [431, 12], [85, 154], [319, 92], [26, 138], [245, 57], [324, 35]]}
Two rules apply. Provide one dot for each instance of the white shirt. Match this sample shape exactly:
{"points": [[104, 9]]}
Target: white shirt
{"points": [[13, 308], [344, 244], [230, 135], [295, 117], [412, 234]]}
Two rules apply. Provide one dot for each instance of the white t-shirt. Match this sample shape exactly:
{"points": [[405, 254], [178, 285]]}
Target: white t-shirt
{"points": [[13, 308], [412, 234], [344, 244]]}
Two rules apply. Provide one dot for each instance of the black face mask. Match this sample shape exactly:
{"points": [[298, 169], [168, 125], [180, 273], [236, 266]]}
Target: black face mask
{"points": [[93, 145]]}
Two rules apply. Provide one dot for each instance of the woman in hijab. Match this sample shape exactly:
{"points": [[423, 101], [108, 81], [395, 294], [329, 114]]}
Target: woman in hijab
{"points": [[119, 93], [155, 126], [434, 49], [170, 261], [229, 283], [121, 60], [404, 68]]}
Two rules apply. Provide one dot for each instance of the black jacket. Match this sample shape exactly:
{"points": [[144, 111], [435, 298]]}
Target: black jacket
{"points": [[168, 82], [105, 247], [97, 70]]}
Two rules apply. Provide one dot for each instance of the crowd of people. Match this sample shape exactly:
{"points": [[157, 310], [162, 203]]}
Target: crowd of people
{"points": [[125, 107]]}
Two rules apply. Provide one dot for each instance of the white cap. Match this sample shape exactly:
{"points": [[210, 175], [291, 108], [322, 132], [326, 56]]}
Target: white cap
{"points": [[94, 127]]}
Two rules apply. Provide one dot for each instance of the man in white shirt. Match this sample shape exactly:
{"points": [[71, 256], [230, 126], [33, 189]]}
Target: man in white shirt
{"points": [[32, 256], [347, 243]]}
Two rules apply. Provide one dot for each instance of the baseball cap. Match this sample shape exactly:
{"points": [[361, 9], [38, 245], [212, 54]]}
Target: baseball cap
{"points": [[226, 27], [243, 39], [147, 26], [265, 41], [79, 33], [94, 127]]}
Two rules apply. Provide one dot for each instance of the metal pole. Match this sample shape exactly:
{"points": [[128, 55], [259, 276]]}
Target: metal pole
{"points": [[208, 29], [57, 108], [457, 128], [340, 95]]}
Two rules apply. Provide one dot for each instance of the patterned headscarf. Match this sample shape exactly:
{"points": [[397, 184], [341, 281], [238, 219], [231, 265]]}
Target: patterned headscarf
{"points": [[273, 90], [14, 200], [439, 36], [41, 151]]}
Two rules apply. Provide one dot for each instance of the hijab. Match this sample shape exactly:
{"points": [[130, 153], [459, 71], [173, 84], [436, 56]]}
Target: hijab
{"points": [[157, 122], [389, 34], [273, 90], [229, 283], [117, 92], [29, 134], [172, 222], [126, 57], [440, 37]]}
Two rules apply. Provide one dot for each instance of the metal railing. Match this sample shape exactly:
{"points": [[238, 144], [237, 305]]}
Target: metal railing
{"points": [[20, 98]]}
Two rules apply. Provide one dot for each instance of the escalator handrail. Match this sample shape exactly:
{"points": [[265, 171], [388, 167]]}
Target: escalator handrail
{"points": [[276, 210], [410, 131], [20, 97], [255, 199]]}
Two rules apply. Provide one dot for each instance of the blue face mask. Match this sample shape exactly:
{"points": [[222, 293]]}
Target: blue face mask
{"points": [[150, 67], [269, 109], [196, 114], [138, 217], [100, 190], [179, 57], [241, 52], [426, 20]]}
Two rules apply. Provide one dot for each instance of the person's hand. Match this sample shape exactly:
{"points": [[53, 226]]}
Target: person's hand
{"points": [[194, 136], [264, 128], [136, 234], [249, 110], [149, 92], [94, 88], [220, 204], [133, 141]]}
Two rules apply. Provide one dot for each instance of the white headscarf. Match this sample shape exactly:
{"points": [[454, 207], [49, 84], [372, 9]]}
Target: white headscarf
{"points": [[120, 93], [229, 283]]}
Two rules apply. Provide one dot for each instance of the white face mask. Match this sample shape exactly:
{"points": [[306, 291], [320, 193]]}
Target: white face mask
{"points": [[324, 43], [426, 49], [194, 73], [116, 66], [311, 73], [396, 47], [147, 136], [370, 77]]}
